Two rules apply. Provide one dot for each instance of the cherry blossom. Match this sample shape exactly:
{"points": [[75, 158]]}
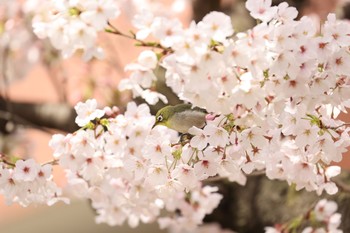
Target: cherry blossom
{"points": [[87, 111], [28, 182], [217, 26], [272, 92], [26, 170], [142, 77], [74, 25], [326, 220], [261, 9]]}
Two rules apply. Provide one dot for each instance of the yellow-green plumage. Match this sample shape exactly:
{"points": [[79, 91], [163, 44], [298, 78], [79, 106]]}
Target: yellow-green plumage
{"points": [[181, 117]]}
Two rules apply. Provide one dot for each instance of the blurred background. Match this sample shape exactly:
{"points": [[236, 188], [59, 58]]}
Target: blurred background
{"points": [[38, 90]]}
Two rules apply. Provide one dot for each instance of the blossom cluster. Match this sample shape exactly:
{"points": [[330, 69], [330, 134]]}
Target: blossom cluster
{"points": [[119, 162], [322, 218], [27, 182], [74, 25], [18, 45], [274, 91], [151, 7], [325, 213], [278, 89], [142, 78]]}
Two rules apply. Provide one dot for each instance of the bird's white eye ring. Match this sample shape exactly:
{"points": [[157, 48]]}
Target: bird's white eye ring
{"points": [[159, 118]]}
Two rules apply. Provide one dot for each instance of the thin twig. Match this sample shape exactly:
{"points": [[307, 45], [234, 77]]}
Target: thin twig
{"points": [[140, 43], [7, 163], [52, 162], [290, 225], [339, 126]]}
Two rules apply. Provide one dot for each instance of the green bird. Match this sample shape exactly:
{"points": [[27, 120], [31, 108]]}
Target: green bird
{"points": [[181, 117]]}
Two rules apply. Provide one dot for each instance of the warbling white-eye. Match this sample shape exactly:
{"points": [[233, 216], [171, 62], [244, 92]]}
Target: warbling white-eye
{"points": [[181, 117]]}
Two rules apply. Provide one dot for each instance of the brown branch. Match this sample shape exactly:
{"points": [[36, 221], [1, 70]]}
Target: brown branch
{"points": [[14, 119], [263, 202], [201, 8], [45, 115]]}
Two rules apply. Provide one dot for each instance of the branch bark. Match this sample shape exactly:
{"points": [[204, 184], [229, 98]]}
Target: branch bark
{"points": [[201, 8], [37, 115], [263, 202]]}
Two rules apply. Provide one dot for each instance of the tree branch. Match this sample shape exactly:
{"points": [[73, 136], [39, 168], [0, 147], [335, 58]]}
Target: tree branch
{"points": [[41, 116], [263, 202]]}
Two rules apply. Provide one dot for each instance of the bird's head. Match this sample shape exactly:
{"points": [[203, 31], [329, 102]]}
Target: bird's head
{"points": [[163, 116]]}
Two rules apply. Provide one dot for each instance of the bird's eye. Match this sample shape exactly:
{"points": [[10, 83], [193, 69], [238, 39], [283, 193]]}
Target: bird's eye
{"points": [[159, 118]]}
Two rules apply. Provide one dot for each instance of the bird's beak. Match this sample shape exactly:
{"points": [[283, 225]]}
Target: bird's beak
{"points": [[154, 125]]}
